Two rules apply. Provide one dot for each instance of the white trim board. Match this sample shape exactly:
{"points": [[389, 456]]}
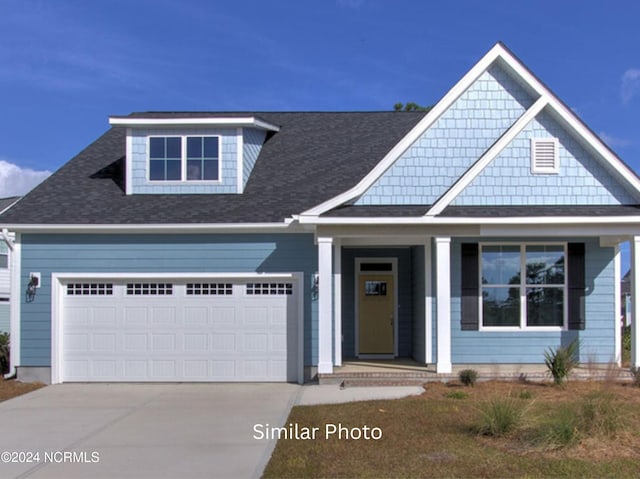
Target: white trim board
{"points": [[498, 53], [249, 121], [284, 227]]}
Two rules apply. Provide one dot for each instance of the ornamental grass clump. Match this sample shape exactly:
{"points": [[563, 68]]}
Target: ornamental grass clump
{"points": [[561, 361], [499, 416]]}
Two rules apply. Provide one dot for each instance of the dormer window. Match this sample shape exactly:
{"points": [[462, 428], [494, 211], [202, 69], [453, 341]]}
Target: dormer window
{"points": [[184, 158]]}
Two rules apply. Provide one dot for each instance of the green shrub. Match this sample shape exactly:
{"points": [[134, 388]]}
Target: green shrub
{"points": [[499, 416], [4, 353], [457, 395], [561, 361], [468, 377]]}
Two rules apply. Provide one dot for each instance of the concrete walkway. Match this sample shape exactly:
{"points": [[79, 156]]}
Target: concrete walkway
{"points": [[155, 430]]}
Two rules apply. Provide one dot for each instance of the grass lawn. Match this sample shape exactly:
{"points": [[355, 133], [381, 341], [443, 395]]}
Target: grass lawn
{"points": [[584, 429], [12, 388]]}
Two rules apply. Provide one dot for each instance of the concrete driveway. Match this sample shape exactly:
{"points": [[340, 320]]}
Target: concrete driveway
{"points": [[141, 430]]}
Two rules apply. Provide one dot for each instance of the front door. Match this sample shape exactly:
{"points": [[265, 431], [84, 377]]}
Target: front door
{"points": [[376, 318]]}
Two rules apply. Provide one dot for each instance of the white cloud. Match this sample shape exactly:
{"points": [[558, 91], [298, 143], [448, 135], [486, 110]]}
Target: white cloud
{"points": [[630, 84], [16, 181], [613, 141]]}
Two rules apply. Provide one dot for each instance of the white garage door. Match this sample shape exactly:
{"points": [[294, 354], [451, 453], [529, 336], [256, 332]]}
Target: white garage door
{"points": [[163, 330]]}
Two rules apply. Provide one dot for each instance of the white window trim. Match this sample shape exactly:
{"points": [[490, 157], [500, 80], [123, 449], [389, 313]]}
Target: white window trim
{"points": [[536, 170], [183, 161], [523, 288]]}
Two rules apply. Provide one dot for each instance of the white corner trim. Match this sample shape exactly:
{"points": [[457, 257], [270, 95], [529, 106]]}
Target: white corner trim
{"points": [[240, 157], [128, 164], [488, 156], [617, 308], [423, 125], [249, 121], [15, 264]]}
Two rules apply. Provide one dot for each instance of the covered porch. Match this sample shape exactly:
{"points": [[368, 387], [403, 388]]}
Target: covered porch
{"points": [[418, 259]]}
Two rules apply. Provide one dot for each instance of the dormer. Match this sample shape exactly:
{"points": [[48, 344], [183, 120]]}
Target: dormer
{"points": [[172, 153]]}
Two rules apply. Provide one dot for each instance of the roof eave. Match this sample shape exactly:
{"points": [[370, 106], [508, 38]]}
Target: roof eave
{"points": [[249, 122]]}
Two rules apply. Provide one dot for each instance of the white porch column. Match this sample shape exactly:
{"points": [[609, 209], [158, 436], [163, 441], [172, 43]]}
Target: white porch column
{"points": [[428, 298], [443, 303], [337, 302], [325, 305], [617, 302], [635, 301]]}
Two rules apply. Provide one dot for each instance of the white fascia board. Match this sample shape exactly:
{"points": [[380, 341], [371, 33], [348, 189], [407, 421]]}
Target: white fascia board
{"points": [[472, 173], [410, 138], [287, 227], [249, 121], [438, 220]]}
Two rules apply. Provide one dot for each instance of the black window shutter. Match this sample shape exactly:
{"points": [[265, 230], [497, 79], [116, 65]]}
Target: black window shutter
{"points": [[576, 272], [470, 287]]}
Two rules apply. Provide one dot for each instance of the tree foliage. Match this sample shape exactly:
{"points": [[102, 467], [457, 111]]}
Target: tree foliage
{"points": [[410, 106]]}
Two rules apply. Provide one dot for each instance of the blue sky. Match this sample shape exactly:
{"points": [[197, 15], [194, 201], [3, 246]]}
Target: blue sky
{"points": [[66, 65]]}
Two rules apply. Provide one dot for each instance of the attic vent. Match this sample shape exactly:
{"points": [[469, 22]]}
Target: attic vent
{"points": [[544, 155]]}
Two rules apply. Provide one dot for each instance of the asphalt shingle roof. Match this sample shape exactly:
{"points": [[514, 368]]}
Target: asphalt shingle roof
{"points": [[314, 156]]}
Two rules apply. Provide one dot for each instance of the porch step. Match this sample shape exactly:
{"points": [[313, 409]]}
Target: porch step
{"points": [[413, 378], [381, 382]]}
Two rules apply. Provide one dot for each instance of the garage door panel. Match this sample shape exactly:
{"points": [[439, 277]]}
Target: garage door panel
{"points": [[196, 316], [135, 316], [224, 316], [196, 342], [133, 342], [104, 342], [224, 342], [135, 369], [167, 331]]}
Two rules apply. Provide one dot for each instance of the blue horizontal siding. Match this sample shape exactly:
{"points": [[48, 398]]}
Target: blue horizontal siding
{"points": [[262, 253], [597, 340]]}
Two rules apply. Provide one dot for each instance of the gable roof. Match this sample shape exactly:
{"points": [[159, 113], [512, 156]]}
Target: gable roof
{"points": [[544, 100], [313, 157]]}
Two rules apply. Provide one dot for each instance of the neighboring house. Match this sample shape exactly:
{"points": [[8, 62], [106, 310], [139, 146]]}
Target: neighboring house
{"points": [[273, 246], [5, 264]]}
